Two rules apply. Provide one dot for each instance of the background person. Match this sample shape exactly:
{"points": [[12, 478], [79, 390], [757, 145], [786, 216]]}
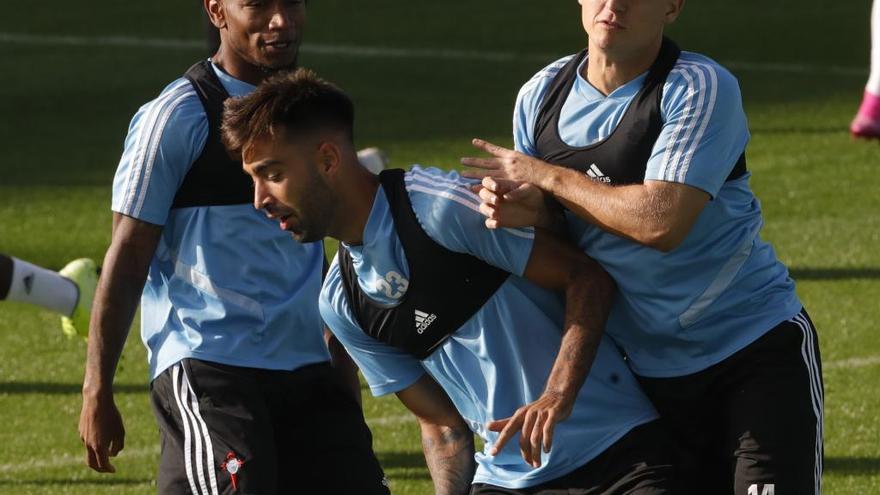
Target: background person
{"points": [[239, 370], [68, 292]]}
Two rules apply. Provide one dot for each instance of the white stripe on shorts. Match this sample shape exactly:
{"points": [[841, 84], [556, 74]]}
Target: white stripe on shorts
{"points": [[187, 435], [808, 351], [195, 433]]}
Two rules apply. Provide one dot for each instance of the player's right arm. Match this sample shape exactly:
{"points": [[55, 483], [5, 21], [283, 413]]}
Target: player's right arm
{"points": [[116, 299], [447, 441], [164, 139]]}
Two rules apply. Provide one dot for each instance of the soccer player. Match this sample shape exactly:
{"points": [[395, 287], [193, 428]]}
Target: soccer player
{"points": [[866, 123], [241, 382], [68, 292], [645, 147], [446, 314]]}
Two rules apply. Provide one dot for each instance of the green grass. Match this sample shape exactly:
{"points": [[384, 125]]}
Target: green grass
{"points": [[65, 110]]}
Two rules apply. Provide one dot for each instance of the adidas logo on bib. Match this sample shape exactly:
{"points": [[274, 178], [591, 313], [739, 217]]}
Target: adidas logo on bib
{"points": [[423, 321], [597, 174]]}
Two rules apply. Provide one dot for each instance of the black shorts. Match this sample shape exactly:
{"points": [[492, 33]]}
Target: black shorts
{"points": [[272, 431], [640, 463], [751, 424]]}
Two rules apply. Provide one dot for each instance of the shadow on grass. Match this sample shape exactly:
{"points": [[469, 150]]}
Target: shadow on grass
{"points": [[22, 388], [852, 465], [806, 273]]}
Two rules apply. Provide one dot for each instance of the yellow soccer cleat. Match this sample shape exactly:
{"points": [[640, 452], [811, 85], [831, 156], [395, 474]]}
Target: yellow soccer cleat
{"points": [[83, 273]]}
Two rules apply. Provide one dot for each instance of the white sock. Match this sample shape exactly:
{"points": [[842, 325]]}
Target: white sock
{"points": [[873, 85], [35, 285]]}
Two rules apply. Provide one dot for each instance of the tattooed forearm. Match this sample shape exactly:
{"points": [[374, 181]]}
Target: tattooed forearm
{"points": [[588, 300], [449, 453]]}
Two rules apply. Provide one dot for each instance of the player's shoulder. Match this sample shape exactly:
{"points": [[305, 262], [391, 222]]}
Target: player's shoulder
{"points": [[177, 104], [541, 79], [433, 185], [695, 72], [443, 202]]}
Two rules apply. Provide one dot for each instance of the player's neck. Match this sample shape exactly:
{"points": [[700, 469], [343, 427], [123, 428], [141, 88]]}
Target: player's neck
{"points": [[239, 68], [608, 70], [360, 195]]}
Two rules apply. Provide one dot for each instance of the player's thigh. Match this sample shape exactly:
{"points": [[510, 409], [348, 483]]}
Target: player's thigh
{"points": [[325, 436], [689, 411], [215, 430], [776, 415], [639, 463]]}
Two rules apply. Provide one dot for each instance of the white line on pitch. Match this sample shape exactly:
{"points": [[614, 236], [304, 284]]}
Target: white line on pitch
{"points": [[391, 420], [388, 52], [67, 460], [858, 362]]}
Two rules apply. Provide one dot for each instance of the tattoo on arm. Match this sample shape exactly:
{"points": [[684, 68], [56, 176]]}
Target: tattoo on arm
{"points": [[449, 453], [588, 301]]}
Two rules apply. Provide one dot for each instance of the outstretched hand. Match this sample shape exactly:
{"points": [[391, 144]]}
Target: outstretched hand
{"points": [[504, 164], [535, 422]]}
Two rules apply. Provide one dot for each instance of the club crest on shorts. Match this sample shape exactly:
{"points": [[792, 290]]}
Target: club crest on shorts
{"points": [[232, 465]]}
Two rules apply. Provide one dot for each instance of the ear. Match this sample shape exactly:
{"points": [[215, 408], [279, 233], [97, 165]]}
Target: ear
{"points": [[216, 12], [329, 158], [673, 10]]}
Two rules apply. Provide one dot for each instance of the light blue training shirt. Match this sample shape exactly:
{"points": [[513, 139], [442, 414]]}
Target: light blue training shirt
{"points": [[226, 284], [501, 358], [678, 312]]}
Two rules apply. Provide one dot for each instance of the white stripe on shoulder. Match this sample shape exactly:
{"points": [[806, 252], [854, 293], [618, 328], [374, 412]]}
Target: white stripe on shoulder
{"points": [[148, 139], [673, 138], [154, 148], [444, 193], [702, 82], [454, 186], [706, 118], [144, 135], [691, 74]]}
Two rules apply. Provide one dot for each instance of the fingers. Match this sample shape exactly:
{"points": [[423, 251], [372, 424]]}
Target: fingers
{"points": [[510, 429], [536, 437], [488, 197], [549, 425], [97, 458], [525, 438], [487, 210], [116, 446], [497, 426], [492, 149], [482, 163]]}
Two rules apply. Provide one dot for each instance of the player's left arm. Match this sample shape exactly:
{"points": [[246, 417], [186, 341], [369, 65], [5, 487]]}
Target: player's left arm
{"points": [[447, 441], [703, 134], [589, 290], [657, 214]]}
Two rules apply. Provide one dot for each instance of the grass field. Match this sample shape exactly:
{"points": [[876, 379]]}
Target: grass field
{"points": [[426, 76]]}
